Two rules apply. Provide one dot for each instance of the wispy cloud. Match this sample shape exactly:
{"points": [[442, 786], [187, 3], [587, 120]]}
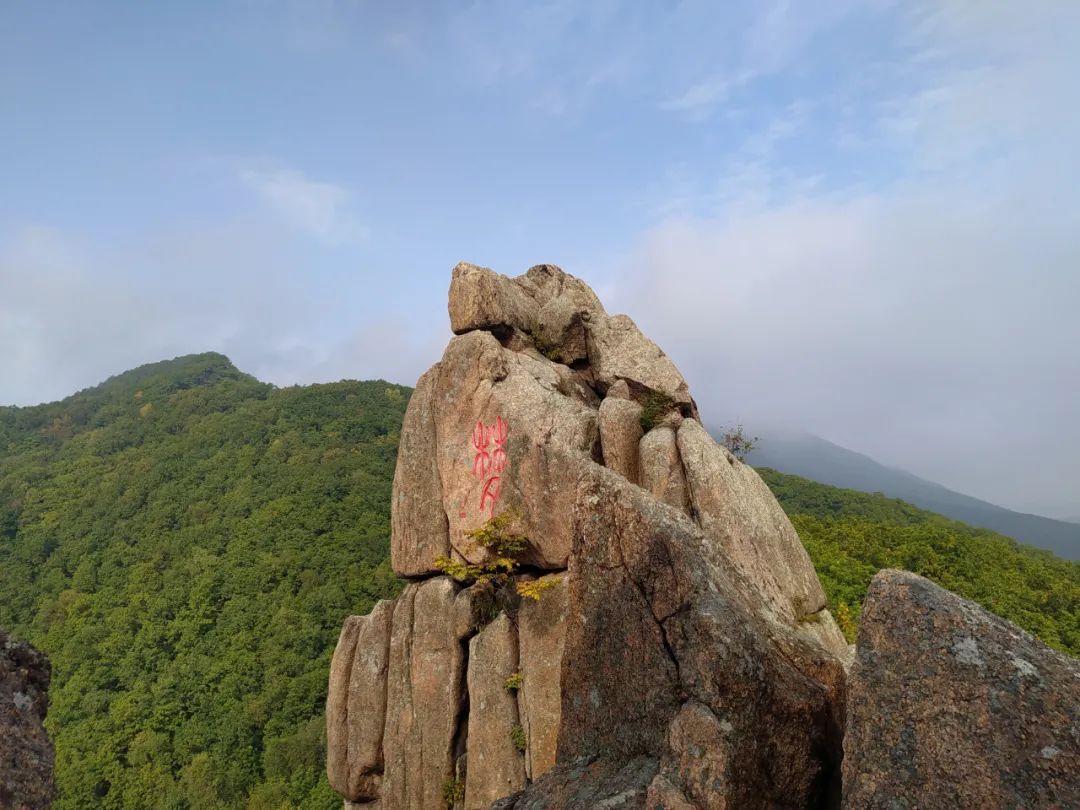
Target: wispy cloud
{"points": [[919, 303], [318, 208], [701, 97]]}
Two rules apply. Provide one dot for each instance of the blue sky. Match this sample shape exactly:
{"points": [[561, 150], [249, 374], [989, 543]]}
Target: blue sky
{"points": [[856, 218]]}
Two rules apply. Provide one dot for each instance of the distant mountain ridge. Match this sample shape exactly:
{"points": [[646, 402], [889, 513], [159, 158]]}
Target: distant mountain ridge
{"points": [[820, 460]]}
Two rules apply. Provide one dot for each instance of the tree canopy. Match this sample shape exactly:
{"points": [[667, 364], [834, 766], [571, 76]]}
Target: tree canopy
{"points": [[185, 541], [852, 535]]}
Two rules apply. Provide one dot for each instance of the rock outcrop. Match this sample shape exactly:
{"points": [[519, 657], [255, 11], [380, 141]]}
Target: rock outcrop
{"points": [[26, 754], [657, 637], [950, 706]]}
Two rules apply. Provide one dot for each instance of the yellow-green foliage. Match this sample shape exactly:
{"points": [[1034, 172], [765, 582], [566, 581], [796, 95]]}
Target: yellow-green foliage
{"points": [[549, 350], [495, 537], [534, 589], [453, 791], [656, 405], [513, 683], [846, 622], [517, 737]]}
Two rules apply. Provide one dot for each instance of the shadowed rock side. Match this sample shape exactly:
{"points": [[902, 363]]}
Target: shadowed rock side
{"points": [[683, 655], [950, 706], [26, 754]]}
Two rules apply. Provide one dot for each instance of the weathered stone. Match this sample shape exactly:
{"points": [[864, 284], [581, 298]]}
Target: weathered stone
{"points": [[337, 706], [367, 703], [656, 617], [620, 435], [546, 282], [587, 784], [663, 795], [356, 702], [822, 627], [618, 390], [618, 351], [419, 531], [736, 509], [425, 690], [26, 754], [496, 768], [951, 706], [565, 305], [480, 298], [560, 331], [663, 670], [701, 753], [541, 637], [509, 443], [661, 469]]}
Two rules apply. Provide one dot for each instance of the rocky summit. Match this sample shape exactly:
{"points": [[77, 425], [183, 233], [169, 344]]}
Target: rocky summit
{"points": [[26, 754], [604, 608]]}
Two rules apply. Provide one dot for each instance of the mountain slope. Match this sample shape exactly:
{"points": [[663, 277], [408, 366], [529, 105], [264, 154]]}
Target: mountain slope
{"points": [[820, 460], [184, 542], [851, 535]]}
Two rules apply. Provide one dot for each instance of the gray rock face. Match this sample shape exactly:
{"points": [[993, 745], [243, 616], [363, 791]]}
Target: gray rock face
{"points": [[736, 509], [618, 351], [26, 754], [496, 766], [661, 468], [508, 430], [541, 638], [620, 435], [337, 699], [420, 534], [950, 706], [672, 663], [665, 658], [425, 689]]}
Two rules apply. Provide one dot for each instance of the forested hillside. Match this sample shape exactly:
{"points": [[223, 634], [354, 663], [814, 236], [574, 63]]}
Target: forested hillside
{"points": [[851, 535], [184, 542]]}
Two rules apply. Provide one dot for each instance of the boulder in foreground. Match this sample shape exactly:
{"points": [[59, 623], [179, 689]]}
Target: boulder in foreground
{"points": [[950, 706]]}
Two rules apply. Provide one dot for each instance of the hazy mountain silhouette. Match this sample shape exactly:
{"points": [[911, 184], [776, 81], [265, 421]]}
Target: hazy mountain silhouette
{"points": [[820, 460]]}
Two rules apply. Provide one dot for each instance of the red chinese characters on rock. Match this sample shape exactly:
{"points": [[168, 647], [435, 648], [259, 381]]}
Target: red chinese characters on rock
{"points": [[489, 444]]}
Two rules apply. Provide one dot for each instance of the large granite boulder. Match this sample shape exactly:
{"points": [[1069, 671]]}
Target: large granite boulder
{"points": [[950, 706], [665, 658], [659, 637], [26, 754]]}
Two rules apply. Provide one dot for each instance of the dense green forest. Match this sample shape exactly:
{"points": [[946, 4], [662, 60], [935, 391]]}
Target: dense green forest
{"points": [[852, 535], [184, 541]]}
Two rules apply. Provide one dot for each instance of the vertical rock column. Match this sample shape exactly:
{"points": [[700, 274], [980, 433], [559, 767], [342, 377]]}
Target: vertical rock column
{"points": [[495, 766]]}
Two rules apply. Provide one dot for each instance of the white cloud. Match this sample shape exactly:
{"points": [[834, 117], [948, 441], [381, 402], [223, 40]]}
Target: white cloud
{"points": [[317, 208], [931, 321], [706, 94]]}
